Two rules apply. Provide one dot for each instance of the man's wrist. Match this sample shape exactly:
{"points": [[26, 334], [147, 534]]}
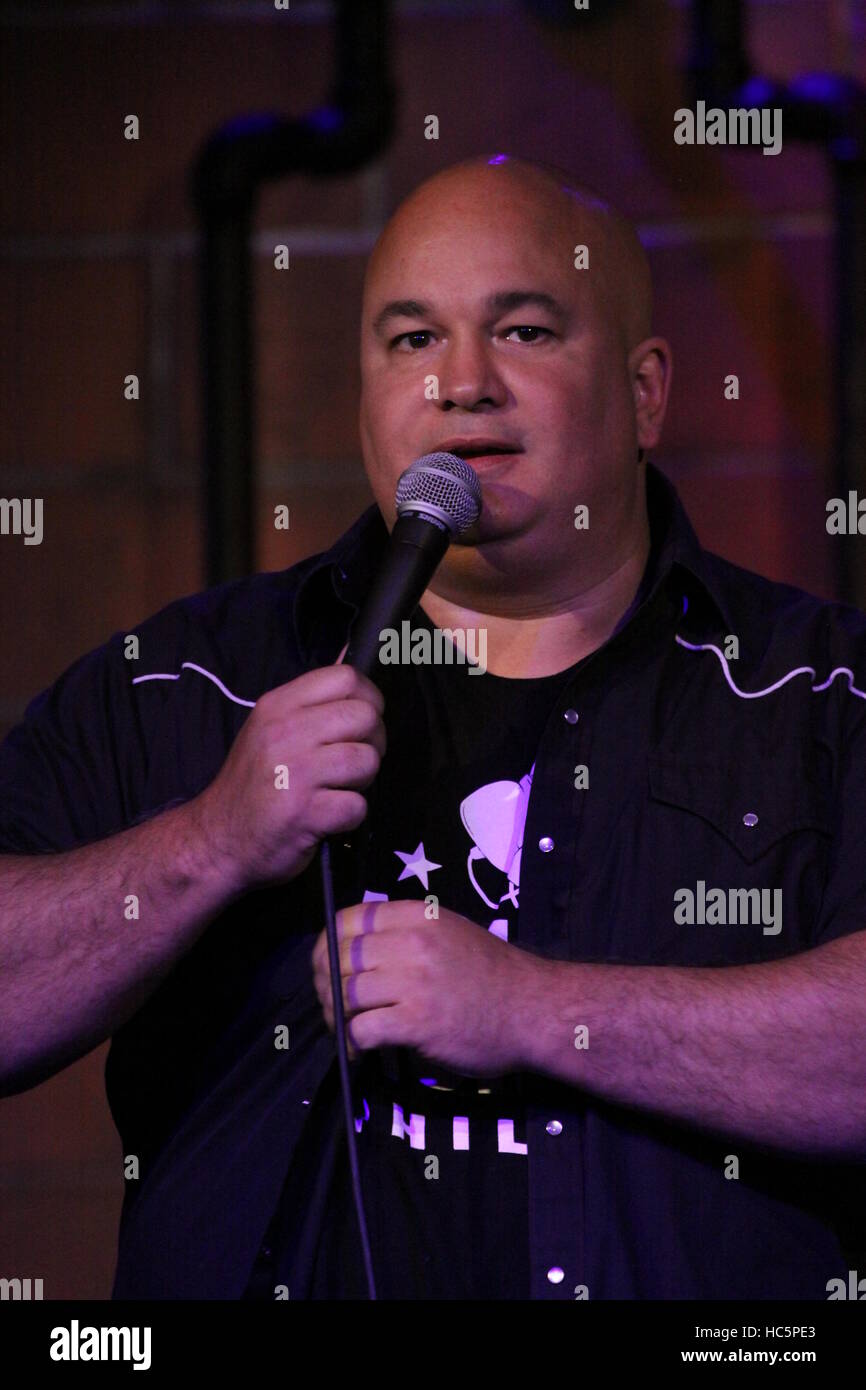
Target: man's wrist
{"points": [[199, 859], [536, 987], [553, 1034]]}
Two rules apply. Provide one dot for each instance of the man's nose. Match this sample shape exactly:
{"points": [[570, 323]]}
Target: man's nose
{"points": [[468, 375]]}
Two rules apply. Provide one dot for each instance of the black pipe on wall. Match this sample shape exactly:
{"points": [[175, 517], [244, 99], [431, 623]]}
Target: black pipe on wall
{"points": [[832, 111], [338, 138]]}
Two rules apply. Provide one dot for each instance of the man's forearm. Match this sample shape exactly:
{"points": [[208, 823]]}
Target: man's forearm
{"points": [[86, 936], [774, 1052]]}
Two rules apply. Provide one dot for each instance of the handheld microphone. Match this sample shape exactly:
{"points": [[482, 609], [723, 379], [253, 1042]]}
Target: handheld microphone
{"points": [[438, 498]]}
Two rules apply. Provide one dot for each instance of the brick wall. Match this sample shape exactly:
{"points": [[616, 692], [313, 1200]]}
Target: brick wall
{"points": [[97, 247]]}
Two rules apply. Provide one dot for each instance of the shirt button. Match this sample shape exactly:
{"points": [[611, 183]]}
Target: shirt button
{"points": [[750, 818], [571, 716], [555, 1274], [553, 1127], [545, 844]]}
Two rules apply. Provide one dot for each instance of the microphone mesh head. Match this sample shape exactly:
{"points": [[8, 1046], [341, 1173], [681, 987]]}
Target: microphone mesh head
{"points": [[444, 485]]}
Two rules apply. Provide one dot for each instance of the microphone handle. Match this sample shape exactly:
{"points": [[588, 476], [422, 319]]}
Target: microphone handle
{"points": [[416, 546]]}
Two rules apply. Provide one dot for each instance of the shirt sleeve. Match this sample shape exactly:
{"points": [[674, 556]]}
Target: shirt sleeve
{"points": [[72, 770]]}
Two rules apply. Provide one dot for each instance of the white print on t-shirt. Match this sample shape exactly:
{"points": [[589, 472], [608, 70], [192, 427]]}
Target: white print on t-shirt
{"points": [[495, 817], [507, 1144], [416, 1128]]}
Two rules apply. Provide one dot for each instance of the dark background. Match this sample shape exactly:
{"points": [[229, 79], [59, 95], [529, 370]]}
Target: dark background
{"points": [[98, 261]]}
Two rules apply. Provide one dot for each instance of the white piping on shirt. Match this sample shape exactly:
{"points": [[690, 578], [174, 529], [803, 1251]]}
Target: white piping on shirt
{"points": [[797, 671], [691, 646], [191, 666]]}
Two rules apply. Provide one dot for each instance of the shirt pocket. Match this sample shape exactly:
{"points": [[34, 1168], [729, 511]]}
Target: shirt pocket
{"points": [[754, 804], [760, 822]]}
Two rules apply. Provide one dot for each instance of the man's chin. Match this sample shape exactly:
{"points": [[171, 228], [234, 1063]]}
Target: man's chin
{"points": [[498, 522]]}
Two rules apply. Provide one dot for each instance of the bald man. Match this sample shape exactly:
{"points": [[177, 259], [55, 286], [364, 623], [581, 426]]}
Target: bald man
{"points": [[574, 402], [601, 920]]}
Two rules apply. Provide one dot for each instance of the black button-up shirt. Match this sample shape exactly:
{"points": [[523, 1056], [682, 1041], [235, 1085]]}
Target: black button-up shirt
{"points": [[723, 732]]}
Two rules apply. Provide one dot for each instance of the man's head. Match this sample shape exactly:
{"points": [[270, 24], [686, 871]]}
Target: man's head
{"points": [[562, 367]]}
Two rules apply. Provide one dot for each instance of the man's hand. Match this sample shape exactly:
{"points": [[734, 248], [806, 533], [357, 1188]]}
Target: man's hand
{"points": [[326, 729], [445, 987]]}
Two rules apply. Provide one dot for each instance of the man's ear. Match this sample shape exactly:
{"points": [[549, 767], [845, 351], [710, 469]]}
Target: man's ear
{"points": [[649, 366]]}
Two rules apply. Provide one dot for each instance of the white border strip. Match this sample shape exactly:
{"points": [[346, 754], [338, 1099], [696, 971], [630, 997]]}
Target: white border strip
{"points": [[690, 646], [797, 671], [191, 666]]}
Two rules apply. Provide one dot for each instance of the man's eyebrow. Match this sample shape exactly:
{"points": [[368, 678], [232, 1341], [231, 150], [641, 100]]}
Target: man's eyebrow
{"points": [[400, 309], [503, 302], [507, 300]]}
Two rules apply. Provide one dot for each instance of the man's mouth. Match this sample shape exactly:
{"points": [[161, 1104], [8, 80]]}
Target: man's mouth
{"points": [[477, 450]]}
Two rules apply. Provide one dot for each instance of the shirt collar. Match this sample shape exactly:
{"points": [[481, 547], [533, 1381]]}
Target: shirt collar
{"points": [[343, 573], [347, 570], [677, 554]]}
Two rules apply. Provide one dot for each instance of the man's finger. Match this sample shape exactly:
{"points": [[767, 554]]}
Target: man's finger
{"points": [[371, 989], [362, 952], [379, 916]]}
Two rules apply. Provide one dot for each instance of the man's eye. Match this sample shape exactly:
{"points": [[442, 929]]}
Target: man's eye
{"points": [[418, 333], [527, 328], [408, 342]]}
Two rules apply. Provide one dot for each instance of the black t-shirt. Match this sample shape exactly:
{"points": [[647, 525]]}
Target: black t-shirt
{"points": [[443, 1158]]}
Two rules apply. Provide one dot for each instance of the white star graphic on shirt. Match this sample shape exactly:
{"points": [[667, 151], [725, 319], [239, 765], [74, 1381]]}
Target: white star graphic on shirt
{"points": [[417, 864]]}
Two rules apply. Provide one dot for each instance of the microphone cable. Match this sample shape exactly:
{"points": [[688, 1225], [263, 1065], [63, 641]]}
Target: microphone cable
{"points": [[343, 1061], [437, 496]]}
